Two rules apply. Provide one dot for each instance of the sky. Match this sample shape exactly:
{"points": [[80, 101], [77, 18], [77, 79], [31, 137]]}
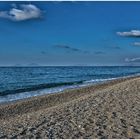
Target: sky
{"points": [[69, 33]]}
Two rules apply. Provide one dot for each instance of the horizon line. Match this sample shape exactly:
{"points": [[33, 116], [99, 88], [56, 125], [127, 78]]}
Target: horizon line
{"points": [[76, 66]]}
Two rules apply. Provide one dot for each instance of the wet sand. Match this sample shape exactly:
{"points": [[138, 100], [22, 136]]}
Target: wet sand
{"points": [[107, 110]]}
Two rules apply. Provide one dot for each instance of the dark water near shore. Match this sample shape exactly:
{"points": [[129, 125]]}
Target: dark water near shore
{"points": [[22, 82]]}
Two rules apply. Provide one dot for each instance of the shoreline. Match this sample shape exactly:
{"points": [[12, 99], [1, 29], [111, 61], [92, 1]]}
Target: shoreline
{"points": [[25, 105], [107, 110]]}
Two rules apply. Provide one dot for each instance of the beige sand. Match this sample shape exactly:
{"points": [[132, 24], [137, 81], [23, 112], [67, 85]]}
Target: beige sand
{"points": [[108, 110]]}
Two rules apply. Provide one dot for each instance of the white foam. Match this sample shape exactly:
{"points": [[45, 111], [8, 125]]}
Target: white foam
{"points": [[99, 80], [24, 95]]}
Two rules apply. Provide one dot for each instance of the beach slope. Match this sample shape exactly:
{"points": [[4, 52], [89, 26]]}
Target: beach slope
{"points": [[107, 110]]}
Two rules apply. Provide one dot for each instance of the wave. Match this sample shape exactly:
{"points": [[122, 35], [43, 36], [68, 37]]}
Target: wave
{"points": [[98, 80], [52, 85], [37, 90], [63, 85], [39, 87]]}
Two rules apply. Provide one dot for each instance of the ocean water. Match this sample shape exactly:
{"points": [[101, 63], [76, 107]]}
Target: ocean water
{"points": [[23, 82]]}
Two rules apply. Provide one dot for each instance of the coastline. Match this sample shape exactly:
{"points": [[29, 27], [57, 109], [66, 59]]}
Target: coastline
{"points": [[28, 112], [59, 97]]}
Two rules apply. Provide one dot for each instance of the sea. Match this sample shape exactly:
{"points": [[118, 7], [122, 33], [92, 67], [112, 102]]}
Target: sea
{"points": [[24, 82]]}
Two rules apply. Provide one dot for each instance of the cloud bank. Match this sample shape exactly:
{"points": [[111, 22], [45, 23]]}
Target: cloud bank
{"points": [[132, 33], [99, 52], [24, 12], [136, 44], [136, 59], [68, 48], [116, 47], [43, 52]]}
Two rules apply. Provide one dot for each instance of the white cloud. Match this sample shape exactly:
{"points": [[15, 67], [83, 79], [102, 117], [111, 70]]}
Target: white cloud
{"points": [[136, 44], [132, 33], [136, 59], [24, 12]]}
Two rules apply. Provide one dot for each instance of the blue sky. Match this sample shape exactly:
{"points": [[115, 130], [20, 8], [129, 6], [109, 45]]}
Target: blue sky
{"points": [[69, 33]]}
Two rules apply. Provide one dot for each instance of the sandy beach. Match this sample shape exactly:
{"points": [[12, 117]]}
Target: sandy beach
{"points": [[106, 110]]}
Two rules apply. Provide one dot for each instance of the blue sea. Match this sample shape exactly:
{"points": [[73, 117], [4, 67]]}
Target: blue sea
{"points": [[24, 82]]}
